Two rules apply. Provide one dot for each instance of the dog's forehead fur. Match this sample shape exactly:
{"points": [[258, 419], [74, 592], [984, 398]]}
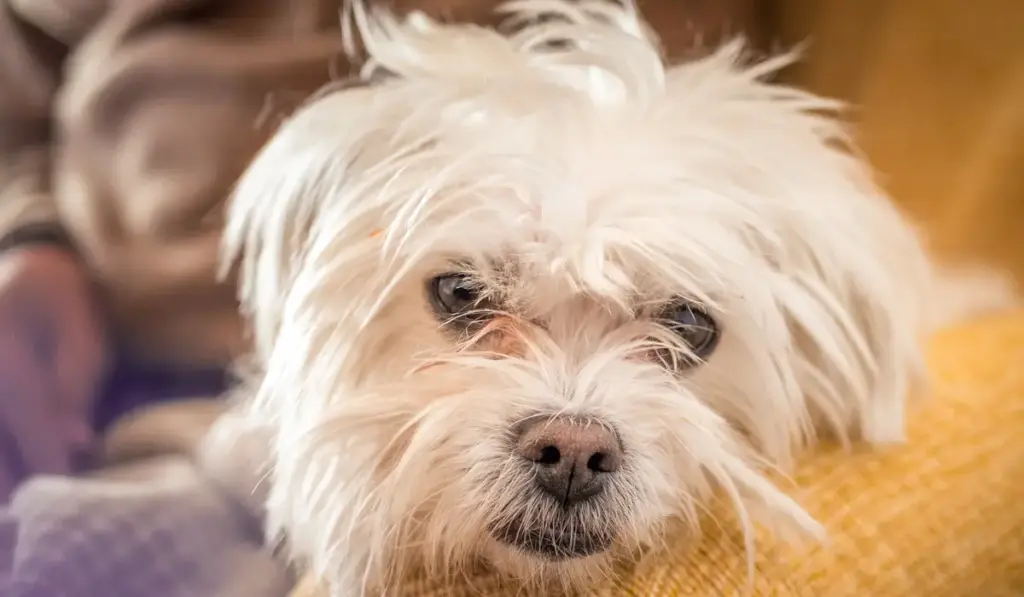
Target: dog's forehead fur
{"points": [[588, 164]]}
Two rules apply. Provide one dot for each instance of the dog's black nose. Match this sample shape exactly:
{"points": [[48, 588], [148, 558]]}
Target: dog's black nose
{"points": [[572, 457]]}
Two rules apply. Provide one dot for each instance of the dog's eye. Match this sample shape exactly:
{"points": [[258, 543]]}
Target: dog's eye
{"points": [[454, 294], [698, 329]]}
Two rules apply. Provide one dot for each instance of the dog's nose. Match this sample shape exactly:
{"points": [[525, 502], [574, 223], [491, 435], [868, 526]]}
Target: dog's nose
{"points": [[572, 456]]}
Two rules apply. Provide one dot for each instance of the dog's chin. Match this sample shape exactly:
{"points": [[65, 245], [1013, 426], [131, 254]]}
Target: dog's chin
{"points": [[548, 561], [552, 544]]}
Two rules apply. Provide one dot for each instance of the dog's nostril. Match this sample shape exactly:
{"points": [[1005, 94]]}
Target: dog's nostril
{"points": [[572, 456], [549, 455]]}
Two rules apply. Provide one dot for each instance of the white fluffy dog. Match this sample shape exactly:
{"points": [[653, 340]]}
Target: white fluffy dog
{"points": [[527, 296]]}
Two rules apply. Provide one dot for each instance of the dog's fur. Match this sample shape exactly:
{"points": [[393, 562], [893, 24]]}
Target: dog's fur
{"points": [[585, 184]]}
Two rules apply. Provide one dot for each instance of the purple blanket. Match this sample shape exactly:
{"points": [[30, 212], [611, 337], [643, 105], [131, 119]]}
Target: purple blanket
{"points": [[157, 528]]}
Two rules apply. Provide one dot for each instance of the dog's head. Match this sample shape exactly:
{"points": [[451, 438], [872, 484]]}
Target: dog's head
{"points": [[529, 295]]}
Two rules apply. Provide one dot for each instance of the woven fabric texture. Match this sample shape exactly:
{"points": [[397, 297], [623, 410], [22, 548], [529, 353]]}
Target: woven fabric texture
{"points": [[942, 516]]}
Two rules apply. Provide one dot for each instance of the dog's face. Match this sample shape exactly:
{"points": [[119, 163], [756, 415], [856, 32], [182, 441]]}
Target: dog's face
{"points": [[533, 304]]}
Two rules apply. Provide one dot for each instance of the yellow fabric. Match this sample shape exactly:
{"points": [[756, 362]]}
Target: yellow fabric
{"points": [[937, 89], [942, 516]]}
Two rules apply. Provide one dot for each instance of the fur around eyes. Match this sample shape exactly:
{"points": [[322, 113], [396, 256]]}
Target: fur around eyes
{"points": [[544, 442], [460, 301]]}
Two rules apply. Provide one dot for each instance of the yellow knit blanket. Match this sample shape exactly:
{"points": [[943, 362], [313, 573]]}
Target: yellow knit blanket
{"points": [[942, 516]]}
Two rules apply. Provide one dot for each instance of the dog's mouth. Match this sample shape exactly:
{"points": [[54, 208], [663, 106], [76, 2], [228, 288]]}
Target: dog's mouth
{"points": [[552, 544]]}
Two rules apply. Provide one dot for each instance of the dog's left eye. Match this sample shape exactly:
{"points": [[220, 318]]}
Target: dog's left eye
{"points": [[454, 294], [698, 329]]}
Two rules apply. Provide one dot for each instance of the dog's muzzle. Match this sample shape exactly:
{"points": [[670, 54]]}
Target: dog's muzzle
{"points": [[572, 460]]}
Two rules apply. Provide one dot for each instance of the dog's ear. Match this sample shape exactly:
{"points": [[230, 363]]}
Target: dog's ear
{"points": [[861, 278], [275, 210], [858, 343], [856, 299], [835, 265]]}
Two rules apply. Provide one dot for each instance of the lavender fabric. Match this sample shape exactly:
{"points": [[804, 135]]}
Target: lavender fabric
{"points": [[130, 387], [163, 531], [173, 526], [163, 527]]}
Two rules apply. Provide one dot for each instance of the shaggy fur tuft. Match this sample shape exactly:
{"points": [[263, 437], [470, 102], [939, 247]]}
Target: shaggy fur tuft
{"points": [[584, 186]]}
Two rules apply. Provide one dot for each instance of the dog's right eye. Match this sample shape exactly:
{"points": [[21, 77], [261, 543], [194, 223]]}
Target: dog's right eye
{"points": [[694, 326], [454, 294]]}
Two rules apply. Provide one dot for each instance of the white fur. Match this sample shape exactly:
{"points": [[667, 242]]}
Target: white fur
{"points": [[590, 184]]}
